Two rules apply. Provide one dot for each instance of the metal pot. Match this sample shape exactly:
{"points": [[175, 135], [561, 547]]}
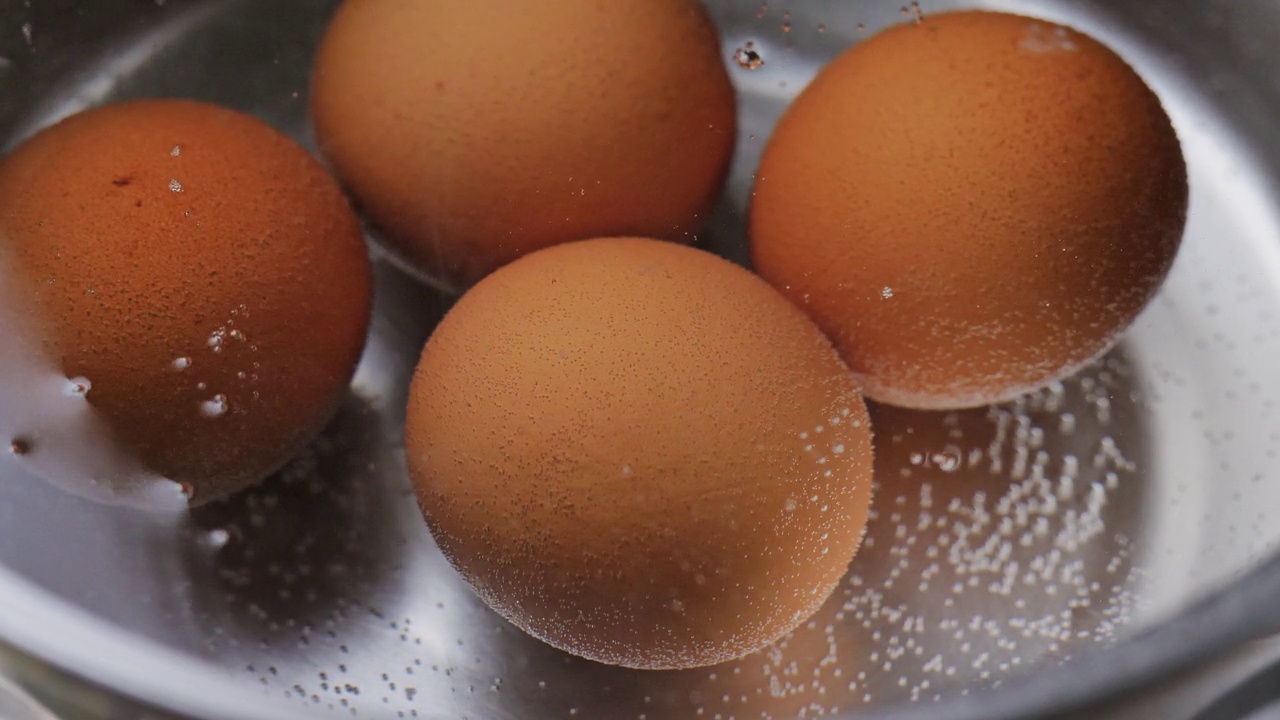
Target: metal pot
{"points": [[1140, 500]]}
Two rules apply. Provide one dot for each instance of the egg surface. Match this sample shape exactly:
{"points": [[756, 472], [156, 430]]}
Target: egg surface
{"points": [[473, 132], [639, 453], [970, 206], [200, 275]]}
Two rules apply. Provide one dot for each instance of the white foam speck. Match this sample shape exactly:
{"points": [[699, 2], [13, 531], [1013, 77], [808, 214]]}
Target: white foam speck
{"points": [[1043, 38], [214, 407]]}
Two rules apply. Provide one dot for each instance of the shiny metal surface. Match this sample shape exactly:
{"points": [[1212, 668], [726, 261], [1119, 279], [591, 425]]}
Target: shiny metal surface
{"points": [[1076, 523]]}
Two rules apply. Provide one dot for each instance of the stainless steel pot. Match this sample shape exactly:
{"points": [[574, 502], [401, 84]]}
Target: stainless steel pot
{"points": [[1040, 558]]}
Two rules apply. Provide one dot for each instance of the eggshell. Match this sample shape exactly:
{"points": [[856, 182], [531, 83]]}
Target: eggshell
{"points": [[640, 453], [471, 133], [199, 271], [970, 206]]}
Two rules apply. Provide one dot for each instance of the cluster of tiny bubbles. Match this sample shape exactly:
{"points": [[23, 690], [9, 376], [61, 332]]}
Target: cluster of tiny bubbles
{"points": [[220, 339], [288, 576], [999, 542]]}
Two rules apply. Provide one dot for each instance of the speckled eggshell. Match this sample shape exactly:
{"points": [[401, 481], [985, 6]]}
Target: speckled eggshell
{"points": [[201, 271], [471, 133], [640, 453], [970, 206]]}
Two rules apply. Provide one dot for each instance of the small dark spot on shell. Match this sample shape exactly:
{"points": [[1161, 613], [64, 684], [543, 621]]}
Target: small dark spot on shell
{"points": [[122, 181]]}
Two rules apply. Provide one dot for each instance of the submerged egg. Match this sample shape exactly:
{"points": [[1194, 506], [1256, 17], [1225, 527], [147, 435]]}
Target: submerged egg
{"points": [[639, 453], [194, 276], [471, 133], [970, 206]]}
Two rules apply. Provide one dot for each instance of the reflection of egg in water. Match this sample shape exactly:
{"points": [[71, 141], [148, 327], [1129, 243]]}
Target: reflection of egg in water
{"points": [[639, 453], [471, 133], [189, 273], [970, 206]]}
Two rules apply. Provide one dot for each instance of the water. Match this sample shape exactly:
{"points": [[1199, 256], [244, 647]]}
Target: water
{"points": [[1004, 541]]}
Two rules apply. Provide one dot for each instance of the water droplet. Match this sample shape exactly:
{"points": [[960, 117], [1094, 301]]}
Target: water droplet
{"points": [[747, 57], [214, 407], [175, 186], [626, 471], [886, 293], [789, 505], [176, 151], [26, 32], [949, 459], [181, 363], [77, 387], [215, 539]]}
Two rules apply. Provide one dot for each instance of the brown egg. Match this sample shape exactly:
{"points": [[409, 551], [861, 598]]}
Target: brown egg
{"points": [[970, 206], [473, 132], [639, 453], [199, 271]]}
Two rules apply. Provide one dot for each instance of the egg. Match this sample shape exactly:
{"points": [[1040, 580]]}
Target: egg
{"points": [[197, 277], [471, 133], [970, 206], [639, 453]]}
